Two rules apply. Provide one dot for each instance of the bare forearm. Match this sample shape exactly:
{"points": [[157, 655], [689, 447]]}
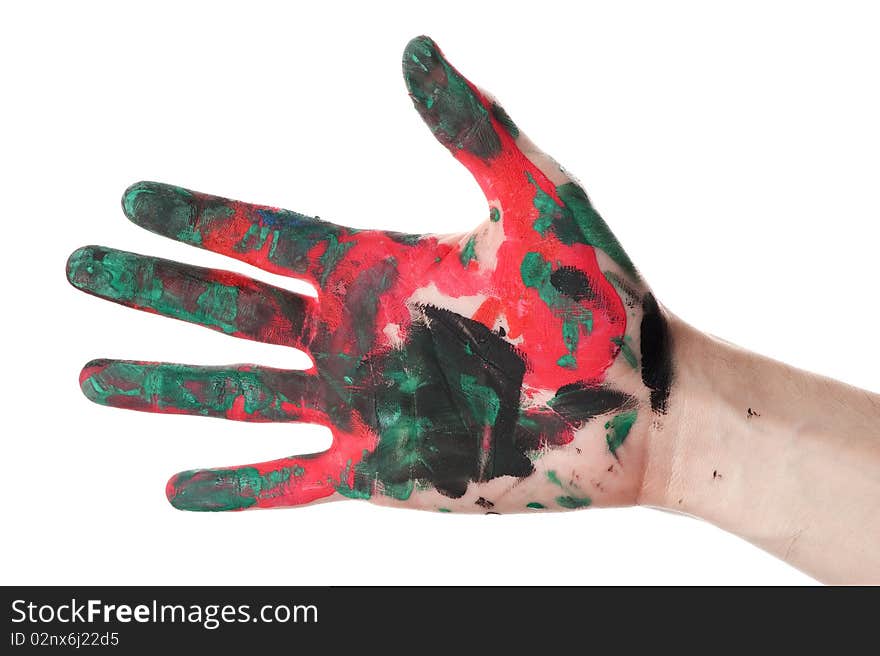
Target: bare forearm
{"points": [[781, 457]]}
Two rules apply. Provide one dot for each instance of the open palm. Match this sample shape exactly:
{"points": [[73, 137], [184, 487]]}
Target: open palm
{"points": [[514, 367]]}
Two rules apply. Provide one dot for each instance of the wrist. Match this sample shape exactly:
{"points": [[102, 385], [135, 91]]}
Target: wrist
{"points": [[726, 413], [783, 458], [667, 435]]}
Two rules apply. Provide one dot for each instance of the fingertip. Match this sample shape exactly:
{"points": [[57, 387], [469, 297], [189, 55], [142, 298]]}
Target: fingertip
{"points": [[452, 107], [73, 263], [420, 45], [208, 490], [89, 379], [420, 58], [171, 491], [81, 265], [136, 193], [93, 367], [163, 209]]}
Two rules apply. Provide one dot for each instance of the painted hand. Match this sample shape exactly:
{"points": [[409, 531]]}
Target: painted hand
{"points": [[516, 367]]}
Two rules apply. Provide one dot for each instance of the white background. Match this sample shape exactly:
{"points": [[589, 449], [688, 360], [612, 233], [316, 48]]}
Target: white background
{"points": [[733, 147]]}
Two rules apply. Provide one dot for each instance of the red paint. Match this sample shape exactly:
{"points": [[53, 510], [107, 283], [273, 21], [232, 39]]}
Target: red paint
{"points": [[508, 180], [321, 474]]}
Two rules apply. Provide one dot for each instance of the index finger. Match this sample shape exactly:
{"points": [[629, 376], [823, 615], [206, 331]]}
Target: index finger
{"points": [[276, 240]]}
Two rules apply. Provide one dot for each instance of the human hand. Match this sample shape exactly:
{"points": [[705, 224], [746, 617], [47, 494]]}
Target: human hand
{"points": [[521, 366]]}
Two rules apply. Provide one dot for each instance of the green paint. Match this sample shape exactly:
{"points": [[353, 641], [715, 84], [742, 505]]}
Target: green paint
{"points": [[346, 490], [468, 252], [219, 303], [332, 256], [190, 217], [200, 491], [273, 249], [535, 505], [444, 510], [626, 350], [483, 401], [400, 491], [618, 429], [574, 220], [175, 205], [549, 211], [407, 381], [405, 434], [504, 118], [573, 502], [536, 273], [207, 391], [446, 102], [431, 402], [566, 501], [227, 489], [592, 227], [256, 236], [148, 282], [352, 493], [494, 214], [528, 423], [571, 334], [403, 437]]}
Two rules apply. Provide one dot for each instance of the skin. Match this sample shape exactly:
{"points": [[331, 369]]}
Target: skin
{"points": [[456, 372], [524, 366], [786, 459]]}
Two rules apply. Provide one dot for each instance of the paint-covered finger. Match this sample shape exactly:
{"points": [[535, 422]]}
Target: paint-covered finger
{"points": [[241, 392], [273, 239], [475, 128], [296, 481], [524, 186], [224, 301], [455, 110]]}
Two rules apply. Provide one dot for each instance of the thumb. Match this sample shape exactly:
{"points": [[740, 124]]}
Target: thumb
{"points": [[515, 175], [475, 129]]}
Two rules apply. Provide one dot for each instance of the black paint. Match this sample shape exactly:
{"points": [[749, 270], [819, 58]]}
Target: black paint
{"points": [[441, 350], [446, 102], [580, 402], [656, 354], [504, 118], [573, 283]]}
